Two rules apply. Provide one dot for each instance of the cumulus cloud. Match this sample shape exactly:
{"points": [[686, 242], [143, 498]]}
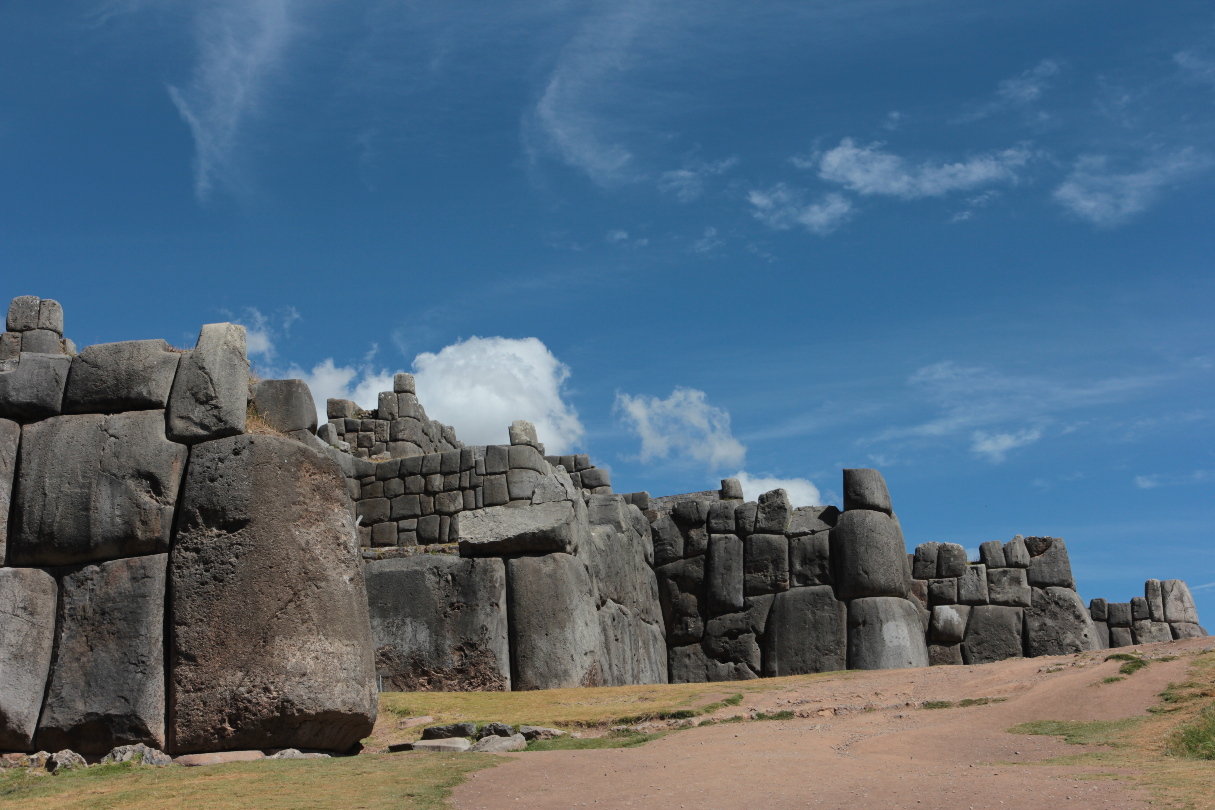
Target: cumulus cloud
{"points": [[682, 427], [481, 385], [995, 446], [1105, 197], [688, 184], [262, 331], [801, 491], [869, 170], [327, 380], [781, 207]]}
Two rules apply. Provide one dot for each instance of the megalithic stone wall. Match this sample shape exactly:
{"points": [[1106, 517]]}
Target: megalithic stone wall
{"points": [[124, 466]]}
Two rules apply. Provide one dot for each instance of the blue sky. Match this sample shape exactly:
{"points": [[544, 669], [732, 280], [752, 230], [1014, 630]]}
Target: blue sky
{"points": [[959, 241]]}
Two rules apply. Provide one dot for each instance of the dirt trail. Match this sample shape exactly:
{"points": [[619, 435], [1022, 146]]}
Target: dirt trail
{"points": [[844, 756]]}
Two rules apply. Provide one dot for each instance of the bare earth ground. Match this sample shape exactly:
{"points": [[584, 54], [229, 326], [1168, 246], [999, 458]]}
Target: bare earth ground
{"points": [[857, 742]]}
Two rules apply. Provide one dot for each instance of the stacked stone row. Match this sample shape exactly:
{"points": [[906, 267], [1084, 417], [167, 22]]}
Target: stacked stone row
{"points": [[1165, 612], [34, 325], [142, 528], [586, 476], [398, 428]]}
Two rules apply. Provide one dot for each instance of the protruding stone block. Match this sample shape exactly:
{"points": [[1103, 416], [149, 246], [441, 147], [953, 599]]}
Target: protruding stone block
{"points": [[1098, 609], [810, 560], [1155, 599], [1016, 555], [23, 313], [866, 489], [731, 489], [10, 346], [993, 633], [554, 628], [944, 655], [1182, 630], [28, 599], [271, 640], [668, 540], [681, 596], [924, 566], [285, 405], [133, 375], [340, 409], [1049, 565], [885, 632], [1178, 603], [1118, 614], [1057, 623], [10, 437], [1008, 586], [951, 560], [806, 631], [774, 512], [107, 685], [595, 477], [724, 574], [31, 387], [538, 528], [1120, 637], [868, 556], [523, 432], [41, 341], [949, 623], [943, 591], [766, 564], [403, 383], [1146, 631], [991, 554], [94, 487], [50, 316], [209, 397], [972, 585], [721, 518], [1139, 609]]}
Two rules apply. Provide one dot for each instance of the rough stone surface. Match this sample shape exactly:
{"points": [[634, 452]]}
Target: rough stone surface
{"points": [[50, 316], [868, 557], [449, 730], [991, 554], [500, 745], [65, 760], [210, 393], [1155, 599], [681, 596], [541, 733], [285, 405], [731, 489], [944, 655], [271, 640], [451, 745], [438, 623], [1103, 635], [1118, 614], [885, 632], [810, 560], [106, 687], [554, 627], [140, 753], [924, 564], [10, 437], [1139, 609], [1178, 603], [41, 341], [23, 313], [724, 574], [993, 633], [806, 631], [496, 729], [28, 599], [765, 564], [217, 758], [943, 591], [1057, 623], [31, 387], [1187, 630], [1016, 555], [668, 541], [538, 528], [1099, 610], [94, 487], [951, 560], [1146, 631], [972, 585], [523, 432], [1120, 637], [1008, 586], [774, 512], [949, 623], [866, 489], [129, 376], [1049, 564]]}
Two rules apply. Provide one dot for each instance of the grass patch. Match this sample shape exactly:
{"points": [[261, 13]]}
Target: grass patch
{"points": [[785, 715], [616, 739], [937, 704], [1195, 739], [1131, 663], [1098, 732], [983, 701], [1113, 679]]}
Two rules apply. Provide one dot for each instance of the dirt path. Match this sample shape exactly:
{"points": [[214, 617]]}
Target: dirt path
{"points": [[856, 743]]}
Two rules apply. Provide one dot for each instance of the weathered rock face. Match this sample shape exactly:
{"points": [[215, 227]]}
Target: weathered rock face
{"points": [[1049, 565], [94, 487], [129, 376], [681, 595], [10, 436], [271, 642], [949, 623], [993, 633], [885, 632], [210, 393], [1146, 631], [1057, 623], [806, 631], [107, 685], [1008, 586], [1178, 603], [924, 564], [972, 585], [810, 560], [31, 386], [866, 489], [536, 528], [28, 598], [868, 556], [554, 627], [951, 560], [724, 574], [438, 623], [285, 405], [765, 564]]}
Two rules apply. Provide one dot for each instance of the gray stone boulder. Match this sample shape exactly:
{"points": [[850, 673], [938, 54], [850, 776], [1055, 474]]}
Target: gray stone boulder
{"points": [[1049, 565], [94, 487], [1139, 609], [50, 315], [1120, 637], [133, 375], [972, 585], [868, 557], [924, 563], [495, 730], [1057, 623], [541, 733], [438, 623], [271, 640], [810, 560], [885, 632], [1146, 631], [554, 627], [765, 564], [668, 540], [1178, 603], [812, 520], [942, 591], [1155, 599], [107, 685], [31, 387], [1098, 609], [1118, 614], [993, 633], [866, 489], [724, 574], [500, 745], [1016, 555], [285, 405], [681, 588], [41, 341], [138, 753], [631, 651], [945, 655], [949, 623], [10, 437], [209, 397], [28, 599], [951, 560], [522, 432], [449, 730], [65, 760], [619, 572], [1182, 630], [451, 745], [721, 518], [1008, 586], [731, 489], [1103, 635], [806, 631], [23, 312], [690, 664], [774, 512], [991, 554], [529, 529]]}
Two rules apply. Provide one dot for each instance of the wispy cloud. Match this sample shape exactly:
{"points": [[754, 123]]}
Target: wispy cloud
{"points": [[239, 45], [1018, 92], [782, 207], [869, 170], [1197, 66], [801, 491], [708, 242], [688, 184], [1170, 480], [1094, 191], [262, 332], [683, 427], [995, 446]]}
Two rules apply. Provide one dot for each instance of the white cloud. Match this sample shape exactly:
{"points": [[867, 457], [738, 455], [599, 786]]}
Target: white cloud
{"points": [[1198, 66], [621, 237], [1095, 192], [1147, 481], [1154, 481], [869, 170], [995, 446], [1028, 87], [688, 184], [262, 331], [709, 242], [683, 426], [481, 385], [801, 491], [239, 43], [327, 380], [782, 208]]}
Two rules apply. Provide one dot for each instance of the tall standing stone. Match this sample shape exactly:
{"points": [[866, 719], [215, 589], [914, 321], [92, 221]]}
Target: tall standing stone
{"points": [[1178, 603], [10, 437], [1049, 565], [868, 555], [724, 574], [806, 631], [28, 598], [1057, 623], [866, 489], [107, 687], [554, 628], [271, 640], [210, 394]]}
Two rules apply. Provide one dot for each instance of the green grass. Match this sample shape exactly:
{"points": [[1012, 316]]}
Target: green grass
{"points": [[1195, 739], [983, 701], [937, 704], [1131, 663], [616, 739], [785, 715], [1113, 679], [1098, 732]]}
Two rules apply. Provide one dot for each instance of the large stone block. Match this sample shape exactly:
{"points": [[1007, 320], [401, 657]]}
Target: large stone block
{"points": [[31, 387], [23, 313], [866, 489], [765, 564], [1057, 623], [1178, 603], [944, 655], [810, 560], [724, 574], [924, 564], [1139, 609], [868, 557], [807, 631], [949, 623], [681, 588], [993, 633], [668, 540], [951, 560], [28, 599], [554, 627], [285, 405], [1008, 586], [1155, 599], [532, 528], [133, 375], [885, 632], [991, 554], [438, 623], [1182, 630], [1049, 565], [10, 437], [1146, 631], [50, 316], [209, 397], [1118, 614], [631, 651], [812, 520], [41, 341], [972, 585], [94, 487], [619, 572], [271, 641], [107, 686], [1016, 555], [773, 513], [1098, 609]]}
